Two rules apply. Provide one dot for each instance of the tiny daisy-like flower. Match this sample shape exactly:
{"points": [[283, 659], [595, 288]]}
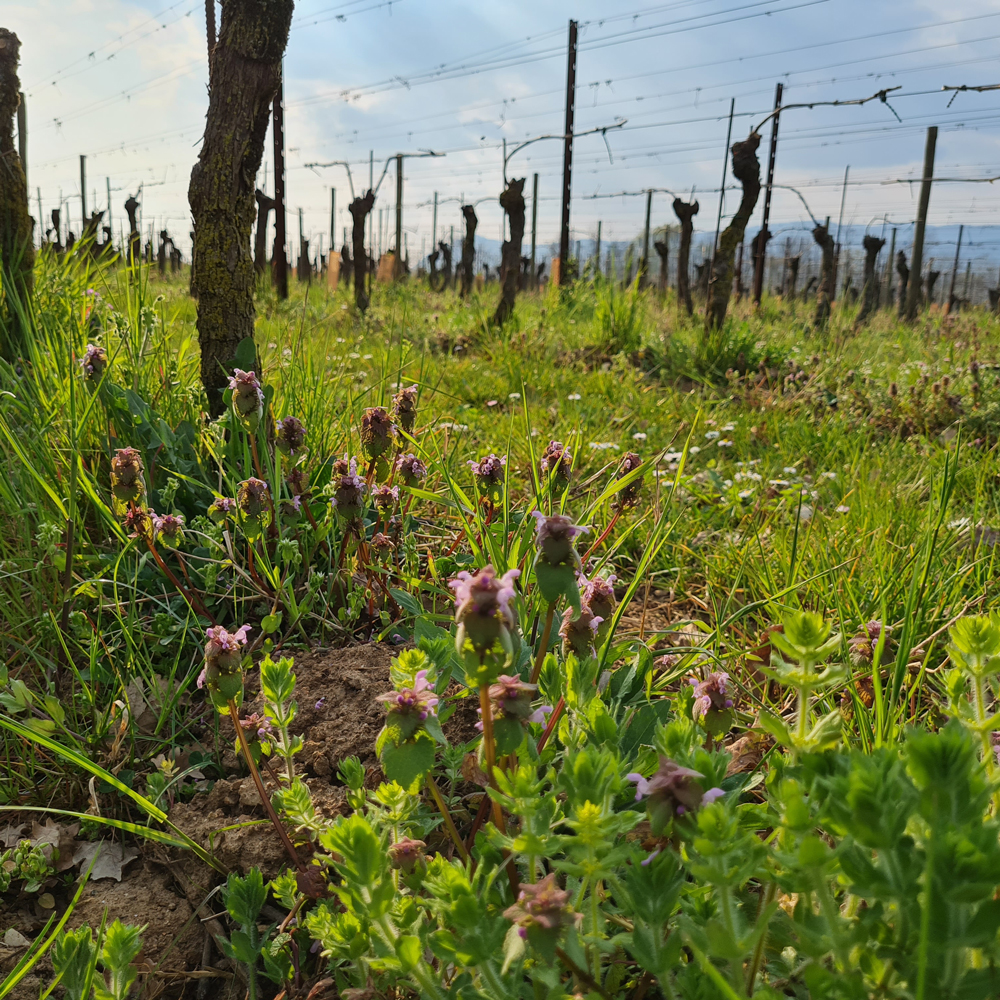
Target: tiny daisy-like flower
{"points": [[843, 509], [513, 395], [789, 470], [828, 475], [694, 450], [639, 436], [724, 443], [745, 494], [574, 396], [711, 435], [729, 427]]}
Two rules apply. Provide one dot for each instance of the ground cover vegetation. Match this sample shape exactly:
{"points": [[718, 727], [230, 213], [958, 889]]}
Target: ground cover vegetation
{"points": [[681, 649]]}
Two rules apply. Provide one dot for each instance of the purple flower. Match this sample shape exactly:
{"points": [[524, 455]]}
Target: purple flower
{"points": [[557, 462], [139, 523], [512, 698], [628, 496], [382, 544], [127, 483], [248, 397], [490, 468], [711, 694], [290, 435], [554, 537], [319, 704], [221, 508], [543, 907], [671, 792], [169, 529], [291, 509], [260, 725], [253, 500], [349, 489], [409, 707], [861, 648], [385, 497], [94, 361], [411, 470], [598, 596], [482, 607], [376, 431], [223, 652], [404, 407], [578, 634], [406, 854], [298, 481]]}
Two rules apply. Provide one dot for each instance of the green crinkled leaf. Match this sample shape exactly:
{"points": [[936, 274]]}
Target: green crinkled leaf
{"points": [[557, 581], [432, 725], [407, 601], [775, 725], [246, 354], [408, 762]]}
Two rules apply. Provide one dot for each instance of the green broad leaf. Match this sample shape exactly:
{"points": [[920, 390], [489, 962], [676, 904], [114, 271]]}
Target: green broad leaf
{"points": [[507, 734], [246, 354], [271, 623], [514, 947], [407, 601], [775, 725], [432, 725], [827, 730], [408, 762], [243, 950]]}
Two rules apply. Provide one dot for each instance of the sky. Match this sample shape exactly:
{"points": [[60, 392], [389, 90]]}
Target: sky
{"points": [[125, 83]]}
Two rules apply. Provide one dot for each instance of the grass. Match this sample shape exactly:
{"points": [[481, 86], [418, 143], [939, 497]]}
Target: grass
{"points": [[787, 468]]}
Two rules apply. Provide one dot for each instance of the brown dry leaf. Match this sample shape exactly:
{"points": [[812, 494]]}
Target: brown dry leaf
{"points": [[748, 751], [472, 772], [10, 835], [58, 841], [13, 938], [111, 858]]}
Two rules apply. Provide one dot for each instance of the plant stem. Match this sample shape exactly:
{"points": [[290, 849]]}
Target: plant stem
{"points": [[604, 534], [265, 800], [193, 600], [551, 724], [490, 751], [544, 645], [448, 821], [758, 951]]}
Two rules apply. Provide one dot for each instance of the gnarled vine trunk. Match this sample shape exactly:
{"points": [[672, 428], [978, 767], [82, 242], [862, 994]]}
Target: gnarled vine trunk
{"points": [[685, 212], [793, 277], [512, 202], [360, 209], [264, 207], [245, 70], [662, 248], [468, 248], [825, 290], [869, 296], [904, 280], [746, 169], [17, 249]]}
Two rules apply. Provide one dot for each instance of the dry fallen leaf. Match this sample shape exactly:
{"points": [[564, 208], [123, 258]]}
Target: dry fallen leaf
{"points": [[111, 858], [10, 835], [14, 939]]}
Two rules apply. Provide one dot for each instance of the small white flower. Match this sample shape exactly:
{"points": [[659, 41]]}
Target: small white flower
{"points": [[367, 357], [724, 443], [673, 456], [727, 483], [729, 427], [340, 340], [745, 494], [694, 450], [286, 353], [534, 432], [805, 512], [573, 395], [789, 470], [779, 483], [828, 475], [638, 436], [843, 509], [603, 446], [513, 395], [354, 355], [711, 435], [272, 346]]}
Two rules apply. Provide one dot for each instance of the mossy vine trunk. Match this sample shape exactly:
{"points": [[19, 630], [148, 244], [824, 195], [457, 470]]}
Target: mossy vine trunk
{"points": [[826, 289], [265, 205], [746, 169], [468, 248], [512, 202], [245, 70], [686, 213], [17, 249], [360, 209], [903, 271]]}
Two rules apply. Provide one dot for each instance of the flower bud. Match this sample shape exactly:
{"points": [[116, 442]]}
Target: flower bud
{"points": [[407, 855], [253, 501], [411, 470], [139, 523], [248, 398], [512, 699], [671, 792], [404, 407], [408, 708], [712, 703], [298, 481], [385, 498], [376, 432], [94, 362], [289, 436], [382, 545], [557, 561], [628, 496], [599, 596], [542, 911]]}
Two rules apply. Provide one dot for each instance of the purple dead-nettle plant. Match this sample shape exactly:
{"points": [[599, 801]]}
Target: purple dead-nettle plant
{"points": [[557, 562], [598, 597], [376, 432], [512, 699], [290, 436], [258, 726], [861, 648], [557, 464], [411, 470], [483, 611], [127, 483], [543, 910], [673, 791], [713, 703], [490, 474], [579, 634], [248, 398], [253, 501], [404, 407], [169, 530], [222, 509], [407, 854], [385, 498], [291, 510], [349, 489], [94, 362], [628, 496], [222, 674], [382, 545], [408, 708]]}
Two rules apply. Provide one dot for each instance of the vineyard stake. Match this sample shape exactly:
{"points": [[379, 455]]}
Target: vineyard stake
{"points": [[567, 152]]}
